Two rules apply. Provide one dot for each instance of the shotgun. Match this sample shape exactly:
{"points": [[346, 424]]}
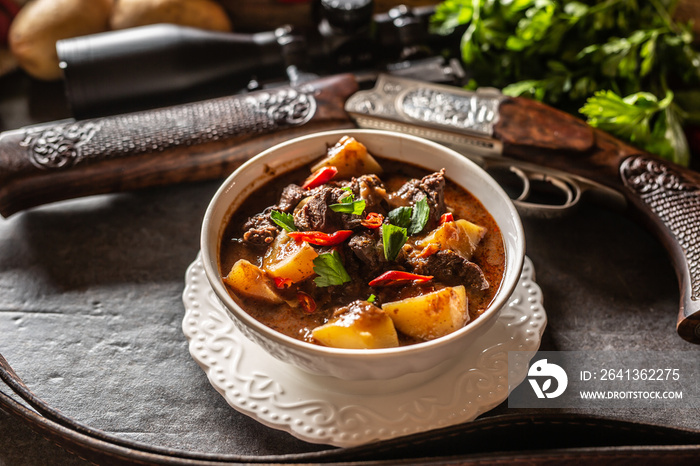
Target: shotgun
{"points": [[209, 139]]}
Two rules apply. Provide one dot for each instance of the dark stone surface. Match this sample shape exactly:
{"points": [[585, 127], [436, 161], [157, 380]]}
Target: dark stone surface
{"points": [[91, 310]]}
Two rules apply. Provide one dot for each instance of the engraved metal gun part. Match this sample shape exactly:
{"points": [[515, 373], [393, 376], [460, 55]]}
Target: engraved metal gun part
{"points": [[464, 121]]}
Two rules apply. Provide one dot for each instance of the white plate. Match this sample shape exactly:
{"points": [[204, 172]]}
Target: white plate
{"points": [[327, 410]]}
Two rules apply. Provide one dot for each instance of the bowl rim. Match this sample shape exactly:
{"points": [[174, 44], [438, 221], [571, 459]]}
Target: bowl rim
{"points": [[219, 288]]}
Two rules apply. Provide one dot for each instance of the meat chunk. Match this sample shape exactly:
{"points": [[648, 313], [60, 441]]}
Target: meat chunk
{"points": [[291, 197], [452, 269], [368, 188], [367, 247], [315, 214], [431, 187], [371, 189], [260, 230]]}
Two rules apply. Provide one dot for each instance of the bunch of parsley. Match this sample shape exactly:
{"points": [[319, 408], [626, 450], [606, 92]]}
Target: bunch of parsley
{"points": [[619, 63]]}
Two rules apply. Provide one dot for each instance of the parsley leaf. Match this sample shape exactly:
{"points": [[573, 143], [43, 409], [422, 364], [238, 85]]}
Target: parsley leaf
{"points": [[371, 298], [285, 221], [401, 216], [419, 217], [330, 270], [349, 206], [413, 219], [393, 239], [628, 117], [642, 119], [563, 52]]}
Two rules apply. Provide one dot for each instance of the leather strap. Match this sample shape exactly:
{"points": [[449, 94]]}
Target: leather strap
{"points": [[515, 438]]}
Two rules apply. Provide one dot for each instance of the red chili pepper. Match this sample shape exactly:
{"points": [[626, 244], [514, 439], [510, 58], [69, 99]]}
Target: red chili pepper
{"points": [[397, 277], [306, 301], [319, 238], [447, 217], [283, 282], [373, 220], [321, 176]]}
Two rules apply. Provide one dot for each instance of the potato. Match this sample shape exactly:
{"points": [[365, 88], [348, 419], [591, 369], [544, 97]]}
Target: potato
{"points": [[247, 279], [41, 23], [351, 158], [461, 236], [204, 14], [286, 258], [360, 325], [431, 315]]}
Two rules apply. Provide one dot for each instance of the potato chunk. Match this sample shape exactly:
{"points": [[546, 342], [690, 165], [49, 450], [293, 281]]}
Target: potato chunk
{"points": [[247, 279], [360, 325], [202, 14], [431, 315], [351, 158], [461, 236], [41, 23], [286, 258]]}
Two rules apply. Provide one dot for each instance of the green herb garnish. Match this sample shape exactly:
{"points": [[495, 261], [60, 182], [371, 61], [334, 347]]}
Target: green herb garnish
{"points": [[371, 298], [393, 239], [330, 270], [413, 219], [419, 217], [639, 118], [573, 54], [285, 221], [348, 205], [401, 216]]}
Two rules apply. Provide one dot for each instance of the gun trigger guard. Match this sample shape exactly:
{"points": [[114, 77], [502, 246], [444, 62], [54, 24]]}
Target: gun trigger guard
{"points": [[525, 180], [571, 190]]}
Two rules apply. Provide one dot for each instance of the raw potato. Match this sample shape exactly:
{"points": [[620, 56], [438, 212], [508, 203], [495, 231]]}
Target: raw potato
{"points": [[204, 14], [362, 326], [351, 158], [461, 236], [286, 258], [41, 23], [247, 279], [431, 315]]}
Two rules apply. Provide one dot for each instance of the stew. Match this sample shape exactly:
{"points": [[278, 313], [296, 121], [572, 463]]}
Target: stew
{"points": [[357, 251]]}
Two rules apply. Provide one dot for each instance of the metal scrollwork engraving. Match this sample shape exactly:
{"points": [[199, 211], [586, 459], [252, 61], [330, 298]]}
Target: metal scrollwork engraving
{"points": [[59, 146], [646, 175], [674, 201], [468, 112], [65, 145], [288, 107], [445, 114]]}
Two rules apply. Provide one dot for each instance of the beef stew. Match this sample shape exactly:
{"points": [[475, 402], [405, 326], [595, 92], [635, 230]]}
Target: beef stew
{"points": [[357, 251]]}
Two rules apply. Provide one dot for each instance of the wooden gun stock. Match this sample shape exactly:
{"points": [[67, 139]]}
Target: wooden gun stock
{"points": [[191, 142], [665, 196]]}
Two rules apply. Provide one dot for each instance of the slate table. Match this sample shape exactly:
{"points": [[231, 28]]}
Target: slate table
{"points": [[91, 312]]}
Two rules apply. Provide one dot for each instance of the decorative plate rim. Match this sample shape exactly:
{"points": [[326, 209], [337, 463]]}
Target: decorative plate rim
{"points": [[326, 410]]}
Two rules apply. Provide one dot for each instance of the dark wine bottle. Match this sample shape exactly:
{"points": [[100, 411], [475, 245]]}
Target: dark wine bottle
{"points": [[164, 64]]}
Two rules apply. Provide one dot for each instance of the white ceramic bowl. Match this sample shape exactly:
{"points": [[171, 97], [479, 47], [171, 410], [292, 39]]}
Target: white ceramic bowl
{"points": [[361, 364]]}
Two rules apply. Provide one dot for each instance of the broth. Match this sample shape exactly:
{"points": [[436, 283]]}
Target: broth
{"points": [[297, 322]]}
